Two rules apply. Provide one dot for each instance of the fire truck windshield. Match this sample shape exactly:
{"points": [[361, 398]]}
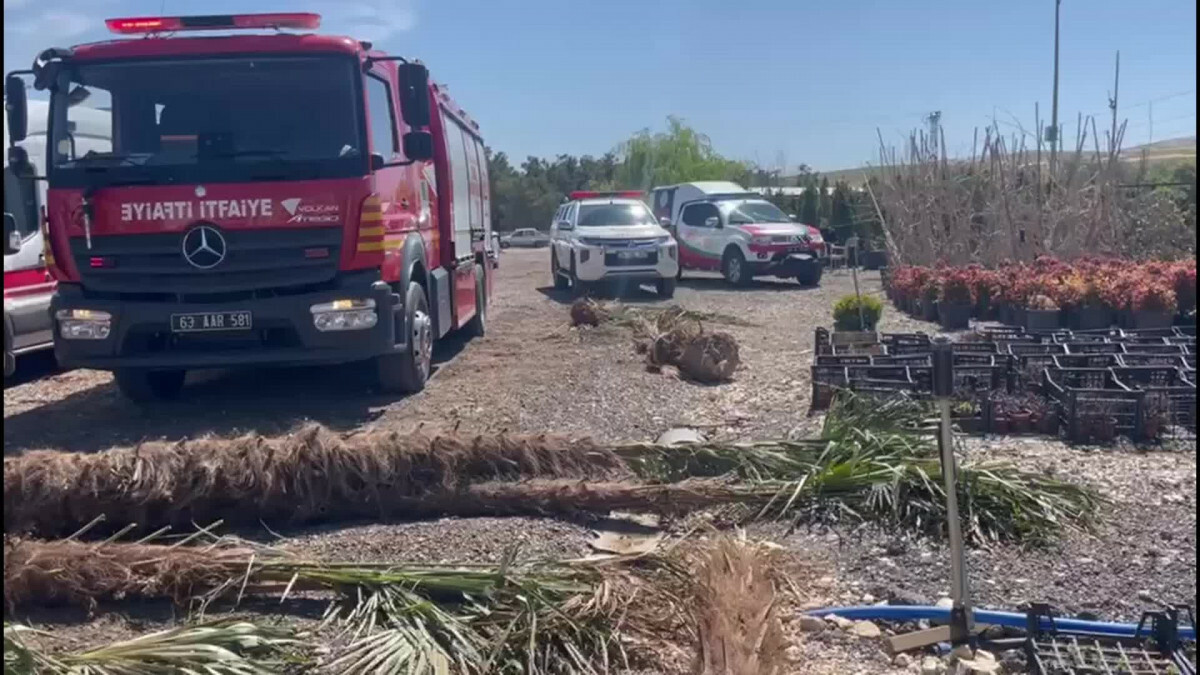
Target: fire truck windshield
{"points": [[207, 120]]}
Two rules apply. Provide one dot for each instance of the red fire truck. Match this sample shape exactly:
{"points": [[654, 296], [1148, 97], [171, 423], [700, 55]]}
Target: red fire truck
{"points": [[270, 198]]}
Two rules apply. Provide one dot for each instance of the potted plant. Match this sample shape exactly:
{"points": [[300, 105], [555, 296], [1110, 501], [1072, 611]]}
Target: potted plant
{"points": [[1021, 421], [1153, 303], [1183, 277], [965, 415], [956, 299], [1086, 307], [929, 294], [856, 314], [1041, 313]]}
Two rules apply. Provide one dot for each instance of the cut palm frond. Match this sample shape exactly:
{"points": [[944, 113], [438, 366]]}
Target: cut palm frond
{"points": [[227, 647]]}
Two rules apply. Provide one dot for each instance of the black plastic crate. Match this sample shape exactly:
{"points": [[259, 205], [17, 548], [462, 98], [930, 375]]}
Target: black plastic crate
{"points": [[1064, 338], [1136, 360], [873, 372], [1178, 350], [851, 360], [1086, 360], [978, 359], [1155, 648], [1087, 396], [826, 381], [903, 360], [821, 341], [1164, 381], [978, 378], [974, 348], [1186, 330], [1148, 332], [905, 348], [1094, 347], [1036, 348], [905, 339], [845, 350]]}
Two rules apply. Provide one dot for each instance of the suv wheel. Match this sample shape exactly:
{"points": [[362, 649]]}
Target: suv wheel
{"points": [[142, 385], [734, 268], [408, 371], [810, 277], [561, 282], [578, 288], [666, 288]]}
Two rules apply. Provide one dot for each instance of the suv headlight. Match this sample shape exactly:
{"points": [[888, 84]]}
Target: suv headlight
{"points": [[761, 240], [585, 241]]}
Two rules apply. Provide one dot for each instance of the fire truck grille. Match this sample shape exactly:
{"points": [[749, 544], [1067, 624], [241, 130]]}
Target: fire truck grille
{"points": [[144, 264]]}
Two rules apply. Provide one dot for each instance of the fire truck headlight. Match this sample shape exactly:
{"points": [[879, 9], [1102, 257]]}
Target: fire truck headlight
{"points": [[83, 324], [344, 315]]}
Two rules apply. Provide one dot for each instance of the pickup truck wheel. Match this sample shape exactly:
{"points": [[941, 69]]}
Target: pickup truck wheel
{"points": [[408, 371], [477, 326], [733, 266], [811, 277], [561, 282], [578, 288], [666, 288], [142, 385]]}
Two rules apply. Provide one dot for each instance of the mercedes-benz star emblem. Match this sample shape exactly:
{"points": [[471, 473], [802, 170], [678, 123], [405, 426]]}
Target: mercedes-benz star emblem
{"points": [[203, 247]]}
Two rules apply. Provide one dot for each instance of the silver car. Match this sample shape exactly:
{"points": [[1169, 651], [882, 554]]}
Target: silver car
{"points": [[525, 238]]}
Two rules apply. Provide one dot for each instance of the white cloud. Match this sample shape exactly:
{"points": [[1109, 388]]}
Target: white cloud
{"points": [[374, 20]]}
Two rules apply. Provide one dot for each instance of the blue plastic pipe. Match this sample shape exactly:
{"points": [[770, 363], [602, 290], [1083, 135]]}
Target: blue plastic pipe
{"points": [[1010, 619]]}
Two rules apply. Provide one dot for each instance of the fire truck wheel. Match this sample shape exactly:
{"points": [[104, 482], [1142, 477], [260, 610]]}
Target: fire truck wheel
{"points": [[477, 326], [407, 372], [142, 385], [733, 266], [561, 283], [666, 288]]}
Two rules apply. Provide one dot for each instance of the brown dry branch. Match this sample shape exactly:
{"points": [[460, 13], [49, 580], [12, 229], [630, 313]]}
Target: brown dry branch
{"points": [[1004, 203], [736, 611], [308, 476]]}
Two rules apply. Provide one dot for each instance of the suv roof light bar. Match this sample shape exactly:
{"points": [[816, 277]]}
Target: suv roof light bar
{"points": [[167, 24]]}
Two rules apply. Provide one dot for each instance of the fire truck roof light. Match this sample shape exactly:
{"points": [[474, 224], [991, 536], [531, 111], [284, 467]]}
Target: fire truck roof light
{"points": [[167, 24], [589, 194]]}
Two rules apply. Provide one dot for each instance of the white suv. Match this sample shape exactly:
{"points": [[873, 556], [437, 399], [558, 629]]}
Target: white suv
{"points": [[600, 236]]}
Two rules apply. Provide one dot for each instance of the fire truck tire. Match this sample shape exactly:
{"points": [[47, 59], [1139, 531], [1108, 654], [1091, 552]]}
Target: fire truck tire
{"points": [[477, 326], [142, 385], [561, 283], [666, 288], [408, 371], [733, 267]]}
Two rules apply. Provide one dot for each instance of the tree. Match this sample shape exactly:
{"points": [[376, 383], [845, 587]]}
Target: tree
{"points": [[810, 205], [678, 155], [824, 203]]}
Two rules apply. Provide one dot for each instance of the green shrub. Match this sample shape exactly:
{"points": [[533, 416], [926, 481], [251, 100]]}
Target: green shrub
{"points": [[845, 313]]}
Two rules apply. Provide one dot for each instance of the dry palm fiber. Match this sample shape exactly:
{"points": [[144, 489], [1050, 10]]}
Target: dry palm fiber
{"points": [[68, 572], [304, 477], [588, 312], [710, 358], [735, 611]]}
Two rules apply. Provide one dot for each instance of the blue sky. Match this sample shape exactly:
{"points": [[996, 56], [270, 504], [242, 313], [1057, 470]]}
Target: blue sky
{"points": [[779, 82]]}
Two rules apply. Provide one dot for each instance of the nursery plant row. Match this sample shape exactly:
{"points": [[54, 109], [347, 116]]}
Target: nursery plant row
{"points": [[1088, 385]]}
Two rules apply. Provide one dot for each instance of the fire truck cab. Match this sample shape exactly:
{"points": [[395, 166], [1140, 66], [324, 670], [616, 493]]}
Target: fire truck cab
{"points": [[268, 198]]}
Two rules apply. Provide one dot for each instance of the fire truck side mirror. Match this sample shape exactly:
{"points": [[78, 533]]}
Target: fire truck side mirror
{"points": [[414, 102], [418, 146], [16, 108], [12, 238]]}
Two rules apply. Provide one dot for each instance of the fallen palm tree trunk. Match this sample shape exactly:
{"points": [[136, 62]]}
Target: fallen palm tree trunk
{"points": [[889, 473], [304, 477], [736, 612], [510, 618]]}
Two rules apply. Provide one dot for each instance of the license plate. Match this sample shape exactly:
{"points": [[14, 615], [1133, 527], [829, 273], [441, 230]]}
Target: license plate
{"points": [[633, 255], [200, 322]]}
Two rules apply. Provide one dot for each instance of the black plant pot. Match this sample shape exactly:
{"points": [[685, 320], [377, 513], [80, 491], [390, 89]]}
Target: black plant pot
{"points": [[874, 260], [954, 316], [1004, 311], [1042, 319], [1090, 318], [1152, 319], [929, 310]]}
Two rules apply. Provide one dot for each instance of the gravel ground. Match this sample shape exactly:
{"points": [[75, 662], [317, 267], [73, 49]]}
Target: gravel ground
{"points": [[532, 373]]}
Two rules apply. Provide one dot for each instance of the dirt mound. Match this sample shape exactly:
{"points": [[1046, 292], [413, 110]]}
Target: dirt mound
{"points": [[308, 476]]}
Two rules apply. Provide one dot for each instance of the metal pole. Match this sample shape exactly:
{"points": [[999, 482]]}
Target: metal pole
{"points": [[962, 620], [1054, 104]]}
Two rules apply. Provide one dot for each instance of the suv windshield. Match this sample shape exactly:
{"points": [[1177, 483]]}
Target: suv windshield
{"points": [[749, 212], [212, 120], [605, 215]]}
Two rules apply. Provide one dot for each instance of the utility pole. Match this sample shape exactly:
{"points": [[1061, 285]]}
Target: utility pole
{"points": [[1052, 132]]}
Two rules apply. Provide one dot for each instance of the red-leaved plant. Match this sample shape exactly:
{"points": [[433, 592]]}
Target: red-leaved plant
{"points": [[1153, 294], [957, 287]]}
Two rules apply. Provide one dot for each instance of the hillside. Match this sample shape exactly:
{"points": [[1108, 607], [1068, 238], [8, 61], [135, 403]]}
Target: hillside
{"points": [[1171, 150]]}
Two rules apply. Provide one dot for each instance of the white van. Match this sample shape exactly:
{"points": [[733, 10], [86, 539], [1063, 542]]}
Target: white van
{"points": [[721, 226]]}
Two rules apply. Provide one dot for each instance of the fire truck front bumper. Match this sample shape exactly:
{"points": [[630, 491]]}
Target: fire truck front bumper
{"points": [[332, 326]]}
